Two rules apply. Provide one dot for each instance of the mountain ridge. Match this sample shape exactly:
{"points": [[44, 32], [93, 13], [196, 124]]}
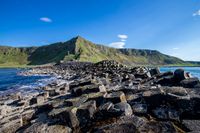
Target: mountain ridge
{"points": [[81, 49]]}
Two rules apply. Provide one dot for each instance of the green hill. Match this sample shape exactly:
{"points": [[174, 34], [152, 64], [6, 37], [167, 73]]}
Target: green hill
{"points": [[83, 50]]}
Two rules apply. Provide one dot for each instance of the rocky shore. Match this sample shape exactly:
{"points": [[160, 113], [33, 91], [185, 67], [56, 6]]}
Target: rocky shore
{"points": [[105, 97]]}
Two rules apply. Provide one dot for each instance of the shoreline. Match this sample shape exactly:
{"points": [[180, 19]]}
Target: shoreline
{"points": [[93, 97]]}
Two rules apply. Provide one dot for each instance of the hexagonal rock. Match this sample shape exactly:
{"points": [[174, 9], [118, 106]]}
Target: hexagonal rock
{"points": [[79, 83], [98, 97], [85, 112], [76, 101], [65, 115], [116, 97], [92, 88]]}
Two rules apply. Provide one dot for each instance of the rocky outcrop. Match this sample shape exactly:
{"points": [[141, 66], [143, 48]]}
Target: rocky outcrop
{"points": [[105, 97]]}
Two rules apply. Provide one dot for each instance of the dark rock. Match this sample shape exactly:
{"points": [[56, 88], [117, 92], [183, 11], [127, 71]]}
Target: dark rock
{"points": [[166, 114], [76, 101], [92, 88], [180, 74], [98, 97], [157, 127], [124, 108], [85, 112], [154, 71], [190, 82], [65, 115], [139, 108], [116, 97], [80, 83]]}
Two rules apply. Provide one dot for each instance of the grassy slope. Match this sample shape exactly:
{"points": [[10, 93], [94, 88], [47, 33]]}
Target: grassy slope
{"points": [[80, 49], [95, 53], [13, 56]]}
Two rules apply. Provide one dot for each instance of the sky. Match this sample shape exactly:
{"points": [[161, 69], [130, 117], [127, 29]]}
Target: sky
{"points": [[169, 26]]}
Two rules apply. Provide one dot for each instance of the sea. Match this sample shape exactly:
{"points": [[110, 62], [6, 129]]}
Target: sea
{"points": [[11, 81]]}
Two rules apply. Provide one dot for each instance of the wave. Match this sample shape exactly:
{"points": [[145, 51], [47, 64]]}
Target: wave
{"points": [[27, 89]]}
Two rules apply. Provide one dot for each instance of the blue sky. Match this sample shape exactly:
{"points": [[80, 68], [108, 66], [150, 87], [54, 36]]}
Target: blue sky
{"points": [[170, 26]]}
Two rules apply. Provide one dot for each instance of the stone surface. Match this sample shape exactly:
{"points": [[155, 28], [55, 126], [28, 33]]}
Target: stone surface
{"points": [[116, 97], [105, 97]]}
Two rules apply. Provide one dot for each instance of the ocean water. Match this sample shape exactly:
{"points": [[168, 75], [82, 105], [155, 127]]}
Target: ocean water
{"points": [[11, 81], [195, 71]]}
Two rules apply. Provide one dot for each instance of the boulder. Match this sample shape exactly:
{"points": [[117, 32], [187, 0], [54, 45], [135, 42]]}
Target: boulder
{"points": [[154, 71], [180, 74], [190, 82]]}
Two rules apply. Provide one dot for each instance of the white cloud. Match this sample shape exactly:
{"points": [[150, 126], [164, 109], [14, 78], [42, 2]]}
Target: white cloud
{"points": [[197, 13], [46, 19], [123, 40], [121, 43], [117, 44], [122, 36], [176, 48]]}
